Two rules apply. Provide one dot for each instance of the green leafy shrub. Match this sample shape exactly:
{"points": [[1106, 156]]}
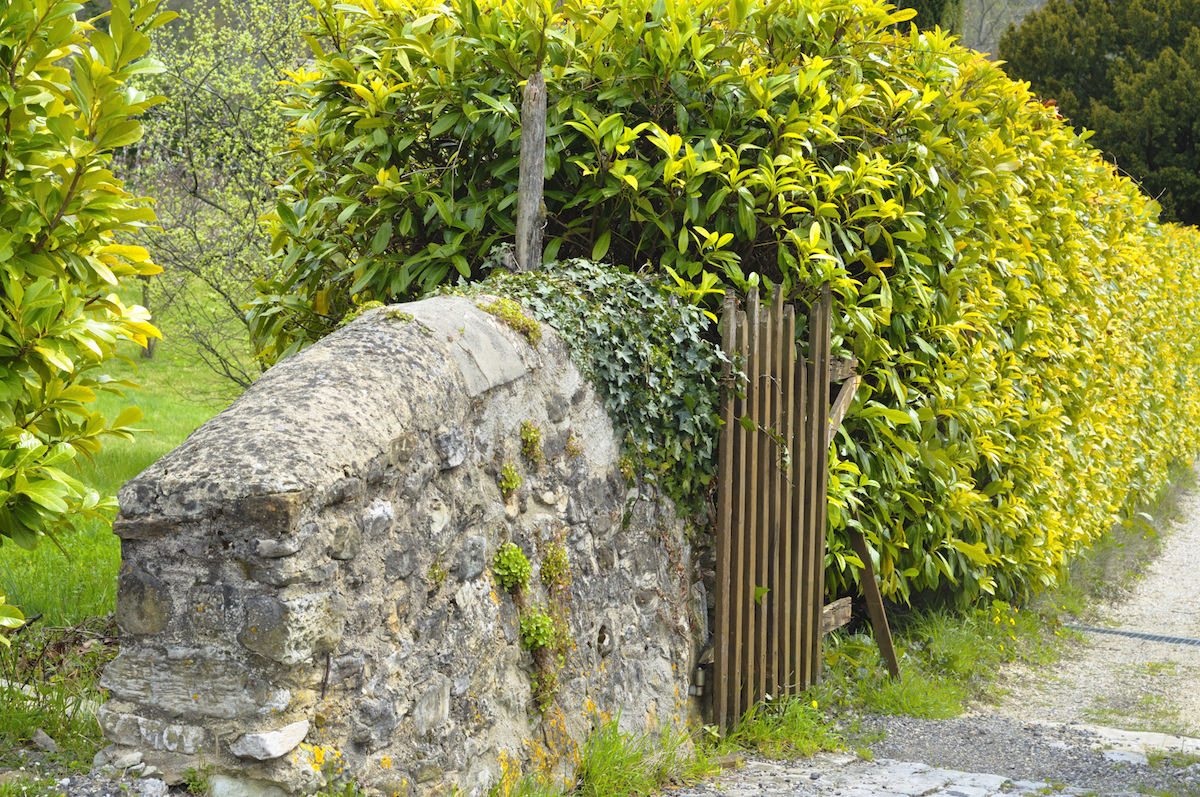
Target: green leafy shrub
{"points": [[650, 358], [678, 135], [70, 102], [510, 479], [511, 567], [556, 567], [531, 442], [574, 447], [1128, 72], [538, 630], [1026, 333]]}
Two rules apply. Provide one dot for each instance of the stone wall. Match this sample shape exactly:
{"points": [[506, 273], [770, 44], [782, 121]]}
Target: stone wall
{"points": [[306, 589]]}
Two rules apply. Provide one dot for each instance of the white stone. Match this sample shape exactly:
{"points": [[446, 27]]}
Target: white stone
{"points": [[273, 744], [1126, 756], [150, 787], [127, 760], [225, 786]]}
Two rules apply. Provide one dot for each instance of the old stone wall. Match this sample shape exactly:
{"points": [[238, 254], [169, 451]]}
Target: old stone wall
{"points": [[307, 589]]}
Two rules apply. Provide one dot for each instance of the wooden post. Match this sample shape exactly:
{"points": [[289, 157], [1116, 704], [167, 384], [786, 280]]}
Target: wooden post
{"points": [[725, 470], [879, 623], [531, 214]]}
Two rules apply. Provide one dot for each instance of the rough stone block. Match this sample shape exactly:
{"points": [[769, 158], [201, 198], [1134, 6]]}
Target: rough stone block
{"points": [[271, 744], [143, 602], [433, 706], [347, 540], [291, 631]]}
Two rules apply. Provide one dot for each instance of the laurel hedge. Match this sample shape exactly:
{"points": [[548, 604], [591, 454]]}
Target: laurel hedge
{"points": [[1025, 330]]}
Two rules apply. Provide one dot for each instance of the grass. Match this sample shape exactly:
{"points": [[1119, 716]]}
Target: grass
{"points": [[69, 589]]}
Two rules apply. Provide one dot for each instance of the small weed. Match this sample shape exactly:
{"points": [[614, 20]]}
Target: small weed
{"points": [[510, 479], [574, 447], [1160, 668], [556, 567], [396, 314], [791, 728], [531, 442], [627, 467], [437, 573], [359, 308], [511, 568], [195, 780], [538, 630], [510, 313], [532, 785]]}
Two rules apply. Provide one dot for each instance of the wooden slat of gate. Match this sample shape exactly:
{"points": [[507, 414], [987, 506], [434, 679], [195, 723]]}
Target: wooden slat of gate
{"points": [[800, 523], [818, 411], [725, 461], [762, 530], [774, 598], [787, 528], [737, 572], [753, 374]]}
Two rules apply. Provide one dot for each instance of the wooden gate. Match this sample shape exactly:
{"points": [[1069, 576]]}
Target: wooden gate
{"points": [[772, 476]]}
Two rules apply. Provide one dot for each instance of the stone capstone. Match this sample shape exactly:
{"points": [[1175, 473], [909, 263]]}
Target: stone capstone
{"points": [[272, 744]]}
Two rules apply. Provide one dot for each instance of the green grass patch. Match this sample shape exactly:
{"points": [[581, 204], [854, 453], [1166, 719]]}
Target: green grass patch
{"points": [[48, 681], [791, 728], [617, 764], [176, 397]]}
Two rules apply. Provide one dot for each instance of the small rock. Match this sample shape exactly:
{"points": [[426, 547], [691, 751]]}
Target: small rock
{"points": [[1126, 757], [99, 759], [224, 786], [815, 776], [452, 447], [150, 787], [273, 744], [44, 742], [137, 769], [127, 760], [548, 498], [512, 507]]}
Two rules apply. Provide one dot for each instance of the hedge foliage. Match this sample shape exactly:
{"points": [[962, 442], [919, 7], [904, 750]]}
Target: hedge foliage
{"points": [[67, 100], [1026, 332]]}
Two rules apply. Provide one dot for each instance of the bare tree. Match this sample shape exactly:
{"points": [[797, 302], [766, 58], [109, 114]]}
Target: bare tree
{"points": [[208, 156], [986, 20]]}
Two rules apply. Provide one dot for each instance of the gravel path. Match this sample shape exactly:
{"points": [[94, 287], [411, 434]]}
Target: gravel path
{"points": [[1124, 682]]}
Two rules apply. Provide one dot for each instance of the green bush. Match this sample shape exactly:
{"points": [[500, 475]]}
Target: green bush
{"points": [[511, 567], [649, 357], [1026, 333], [68, 99], [1129, 72]]}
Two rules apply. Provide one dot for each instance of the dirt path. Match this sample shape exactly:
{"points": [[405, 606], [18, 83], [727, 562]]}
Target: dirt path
{"points": [[1123, 682]]}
